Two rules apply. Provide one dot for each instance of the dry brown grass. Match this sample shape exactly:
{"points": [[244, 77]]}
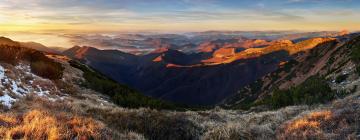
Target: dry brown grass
{"points": [[307, 127], [342, 121], [37, 124]]}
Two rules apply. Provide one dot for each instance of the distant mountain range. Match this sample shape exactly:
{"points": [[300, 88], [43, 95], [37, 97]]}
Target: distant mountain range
{"points": [[137, 43], [213, 71]]}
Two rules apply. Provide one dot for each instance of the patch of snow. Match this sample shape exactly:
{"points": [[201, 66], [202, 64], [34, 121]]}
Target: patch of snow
{"points": [[6, 100], [2, 72], [52, 99], [19, 88], [42, 92], [62, 98], [16, 89]]}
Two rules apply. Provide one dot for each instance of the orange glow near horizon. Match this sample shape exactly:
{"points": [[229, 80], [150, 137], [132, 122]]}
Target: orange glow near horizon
{"points": [[177, 27]]}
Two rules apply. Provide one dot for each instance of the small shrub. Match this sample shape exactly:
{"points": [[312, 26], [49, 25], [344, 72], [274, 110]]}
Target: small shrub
{"points": [[341, 78], [66, 87], [281, 98]]}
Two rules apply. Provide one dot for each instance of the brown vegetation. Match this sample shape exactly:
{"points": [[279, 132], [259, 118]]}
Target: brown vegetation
{"points": [[340, 122], [40, 64], [37, 124]]}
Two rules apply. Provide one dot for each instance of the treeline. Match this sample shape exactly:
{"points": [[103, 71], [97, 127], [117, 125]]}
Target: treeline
{"points": [[312, 91], [354, 46]]}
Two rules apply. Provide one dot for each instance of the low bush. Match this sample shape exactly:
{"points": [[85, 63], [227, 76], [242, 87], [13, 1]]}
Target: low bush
{"points": [[341, 78]]}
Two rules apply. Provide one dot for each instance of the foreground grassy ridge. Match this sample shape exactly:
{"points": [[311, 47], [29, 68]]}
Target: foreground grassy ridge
{"points": [[341, 121], [119, 94], [153, 124], [38, 124], [215, 124], [39, 63]]}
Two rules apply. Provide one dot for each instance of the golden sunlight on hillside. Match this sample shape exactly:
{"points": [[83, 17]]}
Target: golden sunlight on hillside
{"points": [[310, 125], [37, 124]]}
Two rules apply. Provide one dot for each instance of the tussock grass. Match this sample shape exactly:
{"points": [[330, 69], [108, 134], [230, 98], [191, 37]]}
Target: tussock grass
{"points": [[37, 124], [341, 121]]}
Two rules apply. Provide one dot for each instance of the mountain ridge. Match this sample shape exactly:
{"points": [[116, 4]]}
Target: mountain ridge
{"points": [[168, 73]]}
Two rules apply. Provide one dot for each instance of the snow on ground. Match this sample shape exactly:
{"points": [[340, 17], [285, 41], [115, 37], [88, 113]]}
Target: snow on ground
{"points": [[6, 100], [2, 72], [17, 86]]}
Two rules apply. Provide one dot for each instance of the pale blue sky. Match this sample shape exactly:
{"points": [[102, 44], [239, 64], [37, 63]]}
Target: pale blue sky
{"points": [[179, 15]]}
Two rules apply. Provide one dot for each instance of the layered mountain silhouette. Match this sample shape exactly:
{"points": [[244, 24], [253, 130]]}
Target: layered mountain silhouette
{"points": [[205, 77]]}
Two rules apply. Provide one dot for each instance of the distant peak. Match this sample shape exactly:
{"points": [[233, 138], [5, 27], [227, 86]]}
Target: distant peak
{"points": [[2, 38], [76, 47], [7, 41], [344, 32], [78, 52], [258, 41]]}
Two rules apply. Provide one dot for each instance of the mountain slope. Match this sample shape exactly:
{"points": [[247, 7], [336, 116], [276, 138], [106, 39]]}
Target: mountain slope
{"points": [[48, 67], [332, 61], [187, 78], [39, 47]]}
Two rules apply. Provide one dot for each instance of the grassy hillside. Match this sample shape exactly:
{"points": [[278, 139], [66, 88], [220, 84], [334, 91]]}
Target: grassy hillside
{"points": [[311, 77], [39, 63]]}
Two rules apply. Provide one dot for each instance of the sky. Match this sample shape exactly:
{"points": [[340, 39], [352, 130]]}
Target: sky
{"points": [[178, 15]]}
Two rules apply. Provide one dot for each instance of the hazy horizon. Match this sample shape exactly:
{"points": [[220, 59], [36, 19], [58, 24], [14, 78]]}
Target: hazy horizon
{"points": [[63, 39]]}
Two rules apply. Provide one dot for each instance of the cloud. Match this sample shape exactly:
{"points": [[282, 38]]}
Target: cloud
{"points": [[159, 13]]}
